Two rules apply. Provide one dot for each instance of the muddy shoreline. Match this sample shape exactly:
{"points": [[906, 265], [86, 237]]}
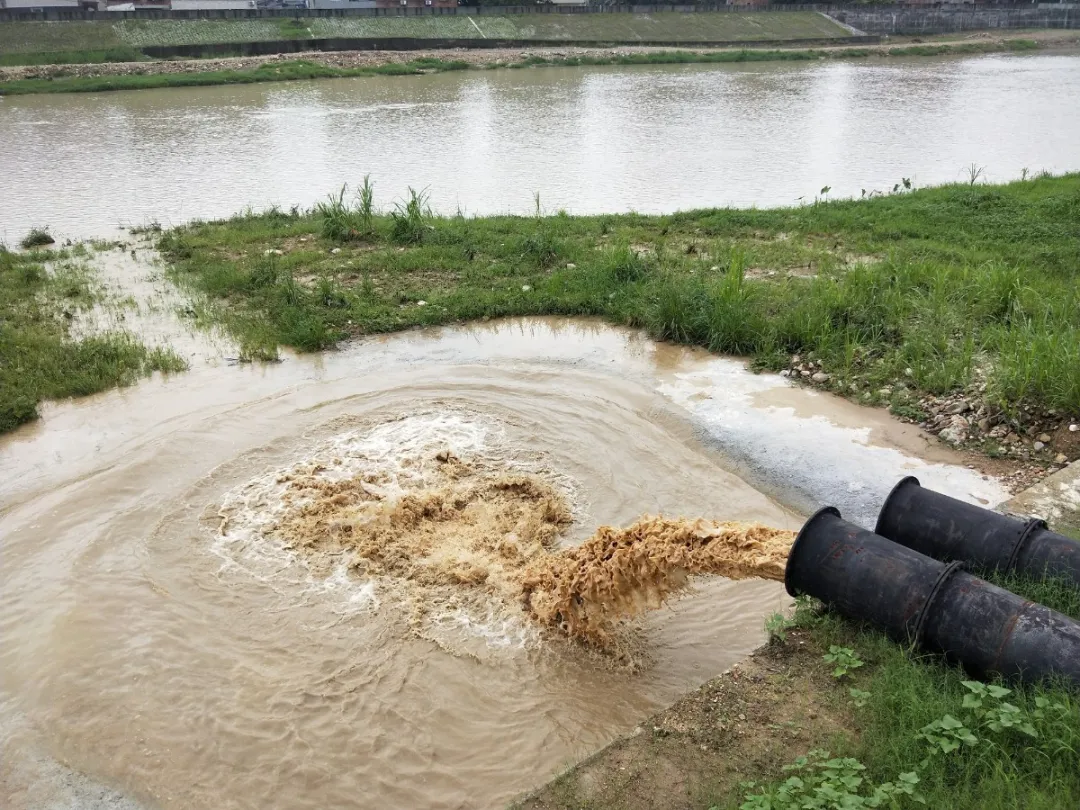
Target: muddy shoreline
{"points": [[493, 57]]}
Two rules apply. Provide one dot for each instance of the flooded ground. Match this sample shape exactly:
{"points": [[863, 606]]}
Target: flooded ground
{"points": [[180, 661], [651, 139]]}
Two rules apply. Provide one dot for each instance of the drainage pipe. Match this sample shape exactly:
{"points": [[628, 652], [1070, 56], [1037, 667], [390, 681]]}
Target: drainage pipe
{"points": [[932, 605], [947, 529]]}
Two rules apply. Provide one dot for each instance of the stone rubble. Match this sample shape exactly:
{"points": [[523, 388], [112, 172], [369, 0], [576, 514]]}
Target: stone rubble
{"points": [[1032, 442]]}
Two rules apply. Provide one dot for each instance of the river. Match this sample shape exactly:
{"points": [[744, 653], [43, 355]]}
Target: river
{"points": [[588, 140]]}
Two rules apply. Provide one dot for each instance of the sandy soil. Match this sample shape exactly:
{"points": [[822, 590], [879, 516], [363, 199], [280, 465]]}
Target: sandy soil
{"points": [[352, 59]]}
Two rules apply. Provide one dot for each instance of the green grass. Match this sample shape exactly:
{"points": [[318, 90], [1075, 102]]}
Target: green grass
{"points": [[943, 289], [899, 694], [41, 294], [292, 70], [300, 69], [51, 37]]}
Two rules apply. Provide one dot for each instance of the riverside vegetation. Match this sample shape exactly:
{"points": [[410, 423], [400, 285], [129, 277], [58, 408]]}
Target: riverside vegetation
{"points": [[58, 80], [962, 288], [921, 734], [42, 294]]}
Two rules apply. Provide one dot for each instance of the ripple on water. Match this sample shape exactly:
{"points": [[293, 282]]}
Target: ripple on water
{"points": [[200, 671]]}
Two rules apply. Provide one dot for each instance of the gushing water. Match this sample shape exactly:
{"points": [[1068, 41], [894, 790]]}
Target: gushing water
{"points": [[435, 511]]}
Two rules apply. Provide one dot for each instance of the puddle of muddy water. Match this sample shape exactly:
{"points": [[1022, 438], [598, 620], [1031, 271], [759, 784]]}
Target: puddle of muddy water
{"points": [[192, 668], [138, 299]]}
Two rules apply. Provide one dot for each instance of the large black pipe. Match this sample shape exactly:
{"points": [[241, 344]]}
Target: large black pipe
{"points": [[933, 605], [862, 575], [947, 529]]}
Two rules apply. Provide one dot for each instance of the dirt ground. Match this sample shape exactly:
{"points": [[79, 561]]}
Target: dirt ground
{"points": [[352, 59], [750, 721]]}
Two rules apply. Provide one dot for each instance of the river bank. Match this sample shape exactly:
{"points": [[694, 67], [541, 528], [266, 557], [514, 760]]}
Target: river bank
{"points": [[952, 306], [45, 295], [125, 75], [834, 712]]}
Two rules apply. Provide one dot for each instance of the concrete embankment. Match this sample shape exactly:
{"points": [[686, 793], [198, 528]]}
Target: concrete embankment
{"points": [[24, 34], [48, 37], [361, 60], [907, 20]]}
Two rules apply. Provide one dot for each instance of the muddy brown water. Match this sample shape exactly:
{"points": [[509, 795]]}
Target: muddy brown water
{"points": [[184, 666], [590, 140], [151, 653]]}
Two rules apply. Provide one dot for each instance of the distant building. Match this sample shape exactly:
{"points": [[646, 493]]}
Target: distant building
{"points": [[211, 5], [134, 5], [338, 4], [416, 3], [46, 5]]}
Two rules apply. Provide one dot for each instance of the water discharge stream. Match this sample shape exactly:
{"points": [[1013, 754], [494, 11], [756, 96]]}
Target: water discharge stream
{"points": [[185, 616], [454, 535]]}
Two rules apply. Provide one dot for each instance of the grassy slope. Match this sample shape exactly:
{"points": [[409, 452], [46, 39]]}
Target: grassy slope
{"points": [[39, 358], [49, 37], [947, 288], [668, 27]]}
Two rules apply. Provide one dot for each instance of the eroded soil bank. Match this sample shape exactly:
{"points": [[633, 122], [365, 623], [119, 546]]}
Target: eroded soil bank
{"points": [[262, 68], [749, 721]]}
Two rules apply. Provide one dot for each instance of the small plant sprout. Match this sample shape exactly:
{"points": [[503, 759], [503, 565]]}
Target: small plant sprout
{"points": [[859, 697], [844, 659], [946, 735], [974, 172], [336, 217], [820, 781], [986, 703], [776, 626], [411, 218]]}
